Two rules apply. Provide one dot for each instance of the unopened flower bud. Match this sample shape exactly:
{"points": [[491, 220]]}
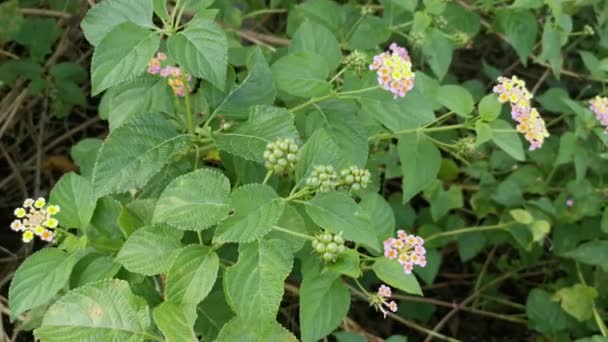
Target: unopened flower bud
{"points": [[588, 30], [323, 178], [355, 178], [329, 257], [281, 156], [357, 61]]}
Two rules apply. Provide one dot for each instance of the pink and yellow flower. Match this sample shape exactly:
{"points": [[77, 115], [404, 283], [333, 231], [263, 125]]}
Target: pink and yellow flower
{"points": [[408, 249], [599, 106], [34, 218], [394, 70], [378, 300]]}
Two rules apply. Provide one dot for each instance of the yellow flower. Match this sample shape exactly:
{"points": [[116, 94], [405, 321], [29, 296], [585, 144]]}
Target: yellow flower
{"points": [[51, 223], [53, 209], [19, 212], [28, 236], [40, 202], [39, 230]]}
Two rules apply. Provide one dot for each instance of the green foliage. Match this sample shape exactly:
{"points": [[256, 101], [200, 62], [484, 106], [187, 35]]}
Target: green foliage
{"points": [[191, 220]]}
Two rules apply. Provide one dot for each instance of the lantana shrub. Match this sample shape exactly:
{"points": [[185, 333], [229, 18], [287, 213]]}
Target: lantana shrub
{"points": [[237, 175]]}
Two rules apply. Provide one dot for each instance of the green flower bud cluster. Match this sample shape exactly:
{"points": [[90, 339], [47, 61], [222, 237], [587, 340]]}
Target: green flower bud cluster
{"points": [[461, 38], [329, 246], [357, 61], [440, 22], [281, 156], [417, 39], [355, 178], [588, 30], [367, 10], [323, 178]]}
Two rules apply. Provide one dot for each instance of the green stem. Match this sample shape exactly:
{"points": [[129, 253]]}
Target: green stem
{"points": [[467, 230], [268, 174], [385, 136], [287, 231], [189, 120], [361, 287], [338, 74], [264, 11], [200, 237], [309, 102], [358, 91]]}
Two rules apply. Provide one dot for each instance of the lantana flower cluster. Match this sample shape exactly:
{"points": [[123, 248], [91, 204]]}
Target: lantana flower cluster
{"points": [[599, 106], [176, 78], [35, 218], [407, 249], [324, 178], [394, 70], [529, 121], [281, 155], [379, 300], [329, 246]]}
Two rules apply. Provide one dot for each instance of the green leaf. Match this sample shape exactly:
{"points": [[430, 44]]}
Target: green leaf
{"points": [[411, 111], [104, 233], [604, 223], [254, 285], [123, 164], [11, 19], [74, 195], [93, 267], [420, 163], [483, 131], [257, 209], [444, 201], [256, 89], [508, 141], [489, 107], [315, 38], [38, 36], [429, 272], [320, 149], [39, 279], [324, 12], [391, 272], [102, 311], [202, 50], [544, 314], [136, 214], [122, 55], [338, 213], [470, 245], [142, 95], [380, 214], [249, 140], [84, 154], [591, 253], [456, 99], [194, 201], [567, 145], [239, 329], [521, 216], [324, 302], [309, 81], [108, 14], [347, 264], [192, 275], [176, 321], [520, 29], [291, 220], [438, 50], [577, 301], [592, 63], [150, 249], [369, 33], [160, 9], [551, 47]]}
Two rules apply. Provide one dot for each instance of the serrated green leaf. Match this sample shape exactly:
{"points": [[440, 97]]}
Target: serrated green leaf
{"points": [[102, 311], [192, 275], [369, 33], [577, 301], [256, 89], [122, 55], [141, 95], [74, 195], [347, 264], [507, 140], [380, 214], [176, 321], [444, 201], [544, 314], [104, 233], [338, 213], [160, 9], [456, 98], [254, 285], [520, 29], [149, 250], [136, 214], [324, 302], [194, 201], [489, 107], [291, 220], [11, 19], [483, 132], [265, 125], [391, 272], [93, 267], [551, 47], [38, 36], [239, 329], [257, 209], [293, 79], [108, 14], [315, 38], [122, 165], [39, 279], [411, 111], [591, 253], [84, 154], [438, 49], [202, 50], [420, 163], [521, 216], [324, 12], [319, 149]]}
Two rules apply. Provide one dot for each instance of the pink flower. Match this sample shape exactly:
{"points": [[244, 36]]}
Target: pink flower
{"points": [[378, 300], [599, 106], [408, 249], [394, 70], [570, 203], [384, 291]]}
